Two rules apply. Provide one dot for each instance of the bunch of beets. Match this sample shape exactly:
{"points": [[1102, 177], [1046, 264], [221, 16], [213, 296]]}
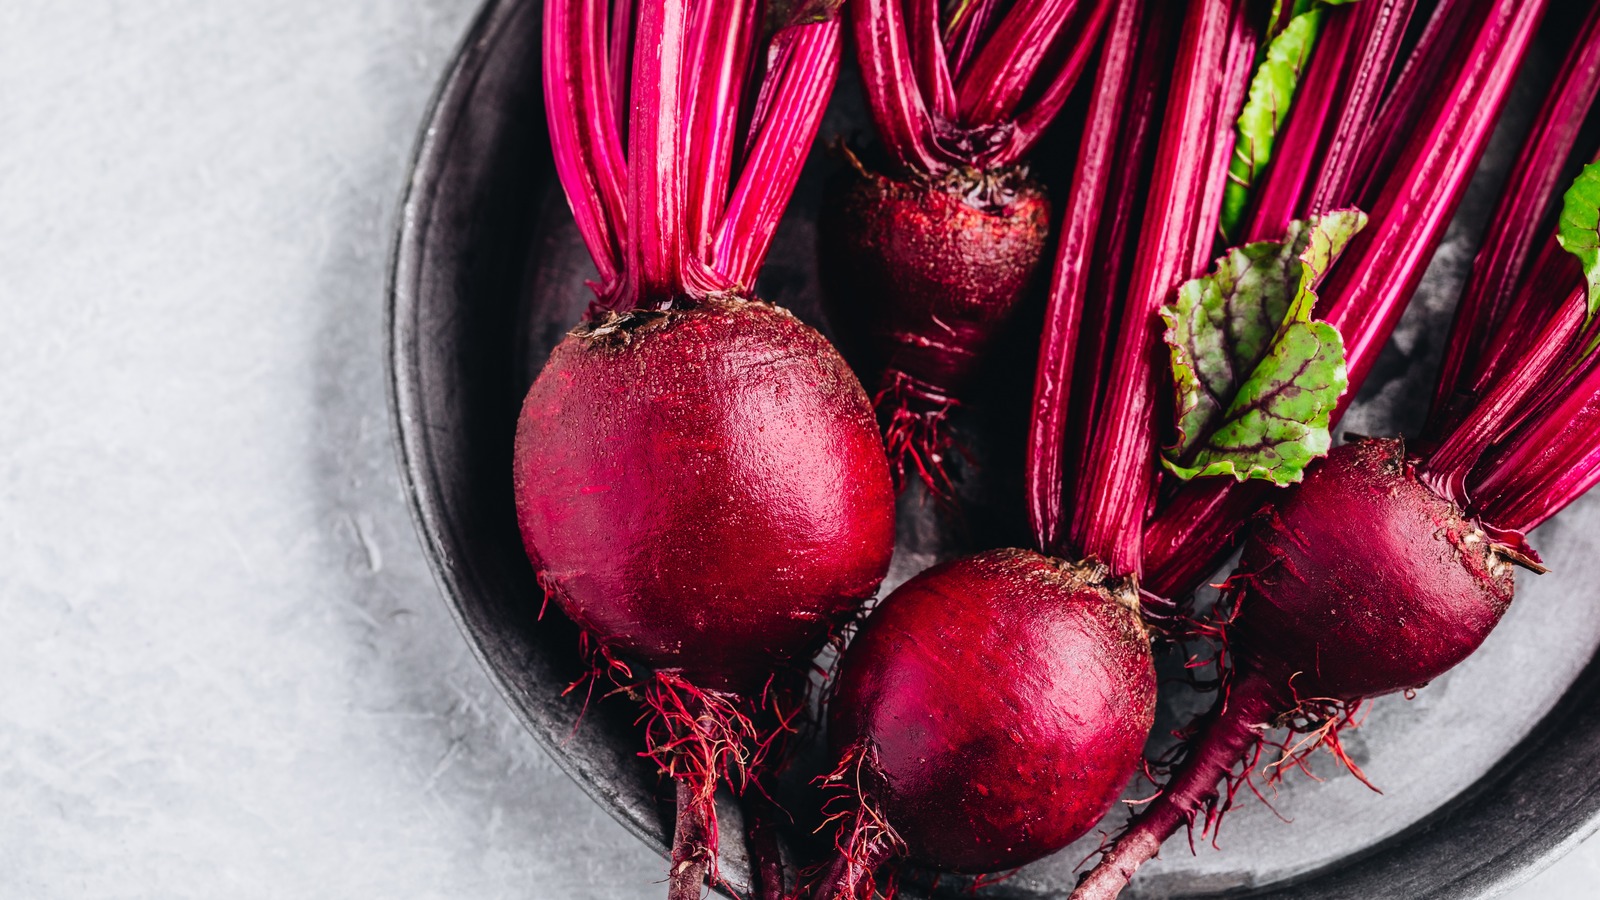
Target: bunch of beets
{"points": [[705, 487]]}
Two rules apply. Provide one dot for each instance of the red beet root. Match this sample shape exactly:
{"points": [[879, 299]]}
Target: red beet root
{"points": [[1367, 582], [923, 275], [1364, 582], [704, 491], [704, 488], [989, 713]]}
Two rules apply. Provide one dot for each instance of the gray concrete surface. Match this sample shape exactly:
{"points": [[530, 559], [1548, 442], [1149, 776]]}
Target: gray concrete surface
{"points": [[224, 667]]}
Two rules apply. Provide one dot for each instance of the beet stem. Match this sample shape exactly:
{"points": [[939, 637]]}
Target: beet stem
{"points": [[1032, 122], [584, 135], [1120, 473], [720, 46], [889, 78], [1251, 704], [1240, 62], [1381, 269], [1288, 179], [928, 54], [1109, 267], [692, 840], [1489, 422], [1383, 23], [989, 91], [1433, 62], [1550, 466], [1052, 392], [1520, 218], [805, 65]]}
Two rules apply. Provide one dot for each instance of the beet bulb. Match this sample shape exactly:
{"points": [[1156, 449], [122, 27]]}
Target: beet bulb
{"points": [[988, 714], [704, 492], [922, 274], [1363, 582]]}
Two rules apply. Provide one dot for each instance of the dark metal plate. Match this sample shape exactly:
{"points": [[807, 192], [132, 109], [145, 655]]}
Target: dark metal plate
{"points": [[1487, 774]]}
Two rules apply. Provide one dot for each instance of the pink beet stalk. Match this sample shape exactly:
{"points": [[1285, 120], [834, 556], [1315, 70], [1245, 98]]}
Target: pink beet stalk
{"points": [[1109, 268], [1519, 224], [699, 481], [1377, 574], [1284, 193], [1237, 64], [583, 130], [1556, 463], [1367, 289], [1109, 515], [925, 255], [1367, 292], [1435, 61], [1382, 26], [1097, 160]]}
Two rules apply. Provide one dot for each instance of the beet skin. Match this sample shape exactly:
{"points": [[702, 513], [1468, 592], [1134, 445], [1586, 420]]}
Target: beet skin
{"points": [[920, 277], [1005, 699], [704, 489]]}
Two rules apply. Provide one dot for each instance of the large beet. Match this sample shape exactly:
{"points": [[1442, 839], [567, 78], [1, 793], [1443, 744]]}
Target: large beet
{"points": [[703, 488], [1367, 582], [989, 713]]}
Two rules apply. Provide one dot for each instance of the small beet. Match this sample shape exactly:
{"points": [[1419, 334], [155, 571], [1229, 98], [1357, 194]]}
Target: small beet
{"points": [[920, 277], [988, 714], [1367, 582], [1363, 582]]}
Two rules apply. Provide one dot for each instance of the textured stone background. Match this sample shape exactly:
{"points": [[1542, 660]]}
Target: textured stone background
{"points": [[224, 667]]}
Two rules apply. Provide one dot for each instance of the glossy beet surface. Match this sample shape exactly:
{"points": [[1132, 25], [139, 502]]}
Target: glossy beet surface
{"points": [[1008, 701], [703, 490], [1365, 582], [919, 277]]}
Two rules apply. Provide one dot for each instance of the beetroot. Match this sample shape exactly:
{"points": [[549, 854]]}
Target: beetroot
{"points": [[704, 491], [699, 480], [704, 488], [924, 262], [1384, 570], [924, 274], [1038, 685], [1364, 582], [1441, 110], [1316, 608]]}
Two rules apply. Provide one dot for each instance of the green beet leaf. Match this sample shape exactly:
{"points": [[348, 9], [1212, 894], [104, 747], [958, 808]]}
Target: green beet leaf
{"points": [[1272, 91], [1579, 230], [1256, 378]]}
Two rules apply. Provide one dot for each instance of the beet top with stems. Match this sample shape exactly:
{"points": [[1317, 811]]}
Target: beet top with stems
{"points": [[699, 481]]}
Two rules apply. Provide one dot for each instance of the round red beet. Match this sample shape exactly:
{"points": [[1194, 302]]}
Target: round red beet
{"points": [[1361, 582], [1365, 581], [704, 490], [1005, 699], [921, 276]]}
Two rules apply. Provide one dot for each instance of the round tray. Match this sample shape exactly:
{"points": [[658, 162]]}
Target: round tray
{"points": [[1488, 773]]}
